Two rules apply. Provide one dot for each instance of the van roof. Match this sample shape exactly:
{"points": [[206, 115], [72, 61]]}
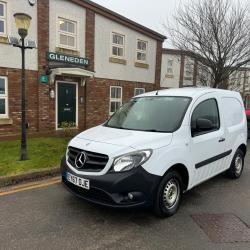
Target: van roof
{"points": [[190, 92]]}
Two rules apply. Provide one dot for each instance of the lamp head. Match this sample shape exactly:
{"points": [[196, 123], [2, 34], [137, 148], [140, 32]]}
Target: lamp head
{"points": [[22, 21]]}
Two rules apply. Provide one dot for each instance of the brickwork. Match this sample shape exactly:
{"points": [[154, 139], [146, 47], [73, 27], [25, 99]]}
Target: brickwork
{"points": [[90, 38], [182, 70], [98, 96], [14, 86], [46, 119], [158, 65]]}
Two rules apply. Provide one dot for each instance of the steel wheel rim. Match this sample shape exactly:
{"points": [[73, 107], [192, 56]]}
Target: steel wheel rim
{"points": [[171, 193], [238, 164]]}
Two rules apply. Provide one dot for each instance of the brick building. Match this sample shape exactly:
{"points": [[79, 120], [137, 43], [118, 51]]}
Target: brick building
{"points": [[181, 69], [96, 60]]}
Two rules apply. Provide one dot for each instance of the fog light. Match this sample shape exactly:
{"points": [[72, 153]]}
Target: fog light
{"points": [[130, 196]]}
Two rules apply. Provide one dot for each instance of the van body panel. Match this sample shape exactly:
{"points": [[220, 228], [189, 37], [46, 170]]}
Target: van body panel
{"points": [[123, 137]]}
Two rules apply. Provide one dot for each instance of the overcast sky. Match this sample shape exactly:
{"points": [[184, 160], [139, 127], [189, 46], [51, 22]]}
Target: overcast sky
{"points": [[150, 13]]}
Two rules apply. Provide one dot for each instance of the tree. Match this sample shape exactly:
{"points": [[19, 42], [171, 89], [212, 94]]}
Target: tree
{"points": [[217, 33]]}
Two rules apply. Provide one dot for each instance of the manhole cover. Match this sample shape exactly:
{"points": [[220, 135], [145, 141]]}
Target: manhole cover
{"points": [[223, 228]]}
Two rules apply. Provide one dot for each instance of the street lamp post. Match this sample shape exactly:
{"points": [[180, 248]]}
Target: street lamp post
{"points": [[23, 22]]}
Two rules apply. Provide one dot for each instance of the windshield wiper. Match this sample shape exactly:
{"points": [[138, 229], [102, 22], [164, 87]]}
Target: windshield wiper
{"points": [[154, 130], [114, 127]]}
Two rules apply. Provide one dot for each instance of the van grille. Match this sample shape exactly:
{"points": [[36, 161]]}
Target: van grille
{"points": [[95, 162]]}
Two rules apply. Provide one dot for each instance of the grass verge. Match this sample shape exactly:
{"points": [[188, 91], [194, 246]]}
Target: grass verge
{"points": [[42, 152]]}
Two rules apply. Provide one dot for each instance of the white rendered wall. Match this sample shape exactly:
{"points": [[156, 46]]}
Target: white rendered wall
{"points": [[166, 80], [105, 69], [73, 12], [10, 57]]}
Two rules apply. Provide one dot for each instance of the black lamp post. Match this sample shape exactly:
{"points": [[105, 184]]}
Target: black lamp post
{"points": [[23, 23]]}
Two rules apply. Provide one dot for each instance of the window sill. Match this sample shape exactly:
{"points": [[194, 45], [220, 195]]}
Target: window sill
{"points": [[6, 121], [188, 78], [67, 51], [117, 60], [169, 76], [141, 65], [4, 39]]}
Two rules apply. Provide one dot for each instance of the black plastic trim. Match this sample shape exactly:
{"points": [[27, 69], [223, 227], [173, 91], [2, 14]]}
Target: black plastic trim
{"points": [[212, 159], [111, 189]]}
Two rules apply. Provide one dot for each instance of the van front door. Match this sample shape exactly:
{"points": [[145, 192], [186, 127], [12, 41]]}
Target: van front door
{"points": [[207, 139]]}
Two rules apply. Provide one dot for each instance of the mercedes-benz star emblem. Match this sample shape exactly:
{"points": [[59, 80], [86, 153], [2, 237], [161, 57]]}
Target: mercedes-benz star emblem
{"points": [[80, 160]]}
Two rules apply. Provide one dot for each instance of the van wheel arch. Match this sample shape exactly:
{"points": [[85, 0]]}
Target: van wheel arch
{"points": [[243, 148], [182, 171]]}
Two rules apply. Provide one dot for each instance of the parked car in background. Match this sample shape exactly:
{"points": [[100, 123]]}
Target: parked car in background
{"points": [[157, 146]]}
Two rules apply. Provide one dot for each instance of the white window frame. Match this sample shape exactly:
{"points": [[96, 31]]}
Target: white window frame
{"points": [[5, 97], [143, 91], [170, 68], [141, 51], [114, 99], [4, 19], [60, 32], [118, 45]]}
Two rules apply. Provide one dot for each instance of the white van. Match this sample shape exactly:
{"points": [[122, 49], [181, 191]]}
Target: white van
{"points": [[156, 146]]}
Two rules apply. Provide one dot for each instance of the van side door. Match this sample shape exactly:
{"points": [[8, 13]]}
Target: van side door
{"points": [[207, 144]]}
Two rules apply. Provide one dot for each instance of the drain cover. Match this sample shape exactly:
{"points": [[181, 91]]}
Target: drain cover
{"points": [[222, 228]]}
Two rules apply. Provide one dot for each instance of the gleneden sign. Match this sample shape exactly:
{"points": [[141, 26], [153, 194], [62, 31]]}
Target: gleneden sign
{"points": [[57, 57]]}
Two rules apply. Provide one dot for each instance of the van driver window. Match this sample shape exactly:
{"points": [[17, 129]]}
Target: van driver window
{"points": [[206, 110]]}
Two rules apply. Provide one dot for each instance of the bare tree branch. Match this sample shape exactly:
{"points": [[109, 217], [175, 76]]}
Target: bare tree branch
{"points": [[217, 33]]}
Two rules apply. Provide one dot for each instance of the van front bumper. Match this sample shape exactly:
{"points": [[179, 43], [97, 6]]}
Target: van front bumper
{"points": [[135, 188]]}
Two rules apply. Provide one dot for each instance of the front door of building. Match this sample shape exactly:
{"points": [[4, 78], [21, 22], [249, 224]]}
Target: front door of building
{"points": [[66, 104]]}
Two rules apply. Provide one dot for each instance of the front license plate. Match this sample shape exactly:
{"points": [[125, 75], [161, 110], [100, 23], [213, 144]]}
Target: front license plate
{"points": [[78, 181]]}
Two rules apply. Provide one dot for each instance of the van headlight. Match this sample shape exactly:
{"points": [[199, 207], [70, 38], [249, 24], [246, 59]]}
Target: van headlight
{"points": [[132, 160]]}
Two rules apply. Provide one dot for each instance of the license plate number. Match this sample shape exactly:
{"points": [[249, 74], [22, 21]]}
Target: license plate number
{"points": [[78, 181]]}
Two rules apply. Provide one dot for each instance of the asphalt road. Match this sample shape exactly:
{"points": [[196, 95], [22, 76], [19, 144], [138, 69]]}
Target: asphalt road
{"points": [[51, 218]]}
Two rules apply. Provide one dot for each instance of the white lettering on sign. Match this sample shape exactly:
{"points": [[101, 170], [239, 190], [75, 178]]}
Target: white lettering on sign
{"points": [[67, 59]]}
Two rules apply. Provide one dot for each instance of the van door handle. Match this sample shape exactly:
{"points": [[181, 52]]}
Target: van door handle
{"points": [[222, 139]]}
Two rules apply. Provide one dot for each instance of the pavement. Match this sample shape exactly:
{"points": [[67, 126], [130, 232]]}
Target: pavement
{"points": [[43, 215]]}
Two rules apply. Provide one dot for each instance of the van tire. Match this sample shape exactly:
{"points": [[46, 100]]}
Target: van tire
{"points": [[170, 186], [235, 171]]}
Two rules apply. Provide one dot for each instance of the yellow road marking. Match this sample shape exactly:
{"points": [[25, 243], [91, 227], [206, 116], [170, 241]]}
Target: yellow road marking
{"points": [[35, 185]]}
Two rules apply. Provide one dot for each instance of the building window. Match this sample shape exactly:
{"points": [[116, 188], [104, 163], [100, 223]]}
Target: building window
{"points": [[67, 34], [141, 52], [3, 97], [203, 73], [170, 65], [2, 18], [118, 45], [139, 91], [189, 67], [115, 99]]}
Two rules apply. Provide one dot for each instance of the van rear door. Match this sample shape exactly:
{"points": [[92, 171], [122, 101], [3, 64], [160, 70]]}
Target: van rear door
{"points": [[235, 123]]}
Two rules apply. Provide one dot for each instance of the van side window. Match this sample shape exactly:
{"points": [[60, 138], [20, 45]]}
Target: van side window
{"points": [[205, 118]]}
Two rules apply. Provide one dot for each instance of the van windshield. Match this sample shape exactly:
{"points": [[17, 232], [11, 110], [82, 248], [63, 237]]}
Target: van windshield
{"points": [[153, 114]]}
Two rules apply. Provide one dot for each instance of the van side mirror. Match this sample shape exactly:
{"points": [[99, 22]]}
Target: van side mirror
{"points": [[202, 125]]}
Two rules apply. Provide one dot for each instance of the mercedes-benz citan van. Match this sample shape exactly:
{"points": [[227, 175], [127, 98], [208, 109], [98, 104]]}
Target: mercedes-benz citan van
{"points": [[157, 146]]}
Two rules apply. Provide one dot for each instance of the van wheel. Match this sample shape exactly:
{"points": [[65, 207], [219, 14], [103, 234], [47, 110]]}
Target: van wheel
{"points": [[236, 166], [169, 194]]}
